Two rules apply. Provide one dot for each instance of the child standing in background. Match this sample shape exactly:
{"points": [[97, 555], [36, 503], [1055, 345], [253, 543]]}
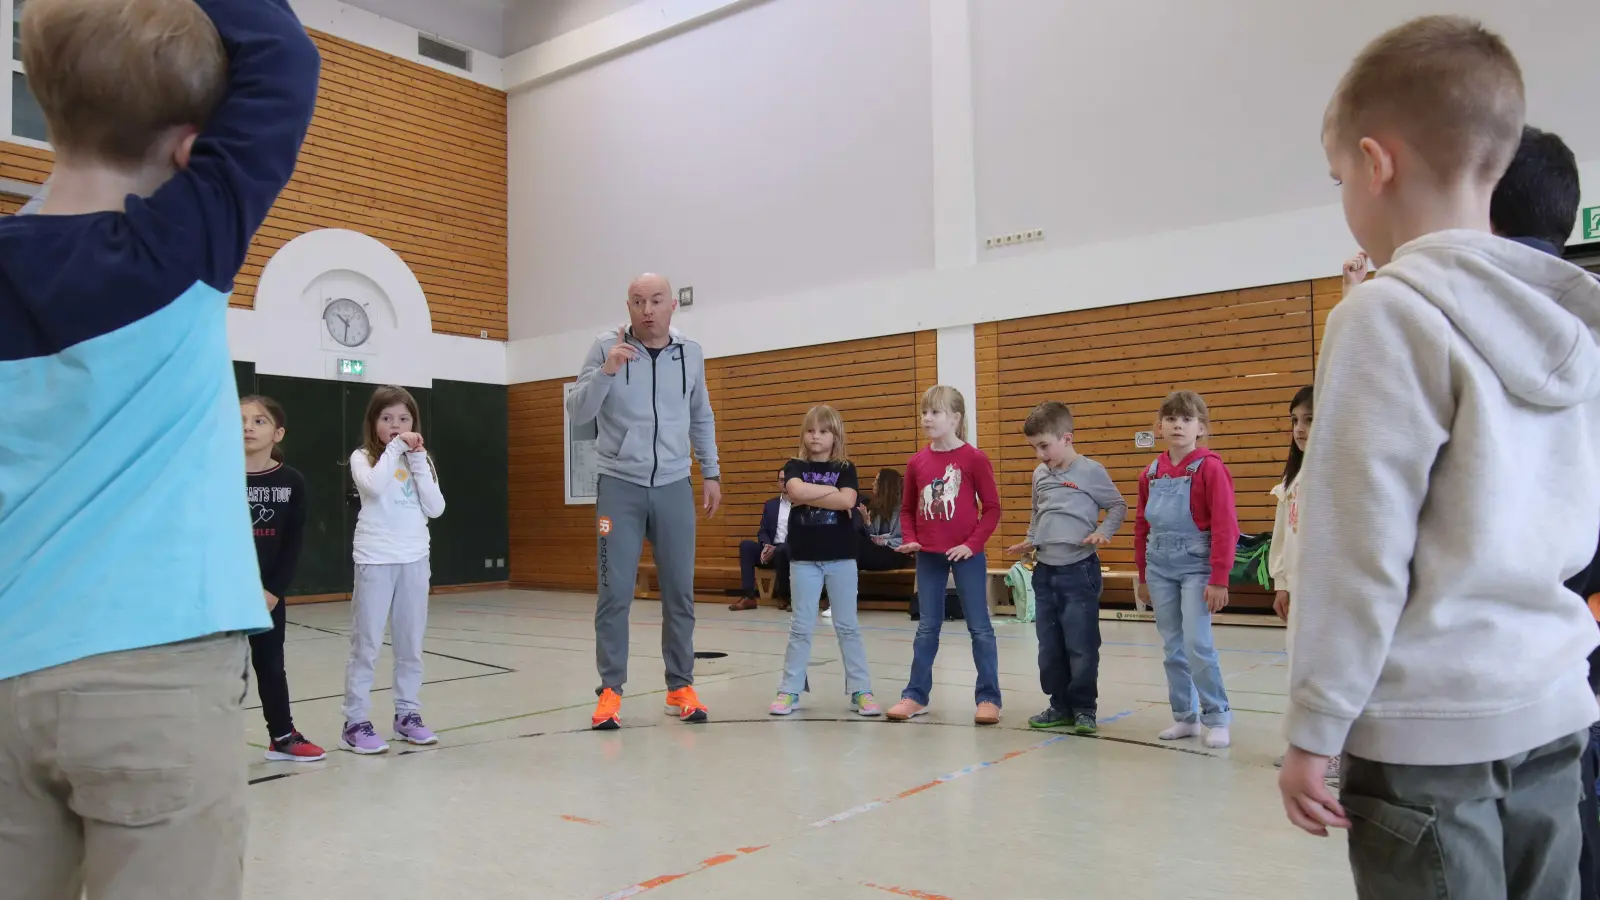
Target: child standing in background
{"points": [[399, 494], [1284, 556], [1069, 493], [1184, 539], [821, 486], [277, 497], [950, 509]]}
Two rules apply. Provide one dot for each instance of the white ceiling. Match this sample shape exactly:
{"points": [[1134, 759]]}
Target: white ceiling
{"points": [[497, 27]]}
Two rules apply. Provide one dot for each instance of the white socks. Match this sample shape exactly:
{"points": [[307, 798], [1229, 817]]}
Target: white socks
{"points": [[1217, 738], [1181, 730]]}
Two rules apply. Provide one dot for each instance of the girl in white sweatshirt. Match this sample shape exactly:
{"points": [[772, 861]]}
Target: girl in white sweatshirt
{"points": [[1284, 557], [399, 494], [1281, 559]]}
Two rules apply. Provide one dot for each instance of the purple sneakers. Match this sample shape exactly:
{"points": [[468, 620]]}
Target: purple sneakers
{"points": [[408, 727], [362, 738]]}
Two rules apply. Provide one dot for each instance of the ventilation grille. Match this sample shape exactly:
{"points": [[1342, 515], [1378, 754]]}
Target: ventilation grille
{"points": [[439, 51]]}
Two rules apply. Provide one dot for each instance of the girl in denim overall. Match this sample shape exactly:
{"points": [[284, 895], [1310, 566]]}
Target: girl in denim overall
{"points": [[1184, 539]]}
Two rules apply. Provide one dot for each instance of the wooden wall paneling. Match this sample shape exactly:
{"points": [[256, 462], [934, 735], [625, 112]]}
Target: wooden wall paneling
{"points": [[409, 155], [1246, 351], [552, 544], [759, 400]]}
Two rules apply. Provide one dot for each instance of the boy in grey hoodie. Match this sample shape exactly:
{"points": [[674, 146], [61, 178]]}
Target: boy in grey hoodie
{"points": [[645, 386], [1450, 489]]}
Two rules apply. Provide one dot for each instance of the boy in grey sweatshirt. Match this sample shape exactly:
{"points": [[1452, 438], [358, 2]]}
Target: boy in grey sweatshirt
{"points": [[1449, 489], [1069, 494]]}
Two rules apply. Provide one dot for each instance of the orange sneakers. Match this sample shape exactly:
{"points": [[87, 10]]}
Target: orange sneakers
{"points": [[685, 704], [607, 713]]}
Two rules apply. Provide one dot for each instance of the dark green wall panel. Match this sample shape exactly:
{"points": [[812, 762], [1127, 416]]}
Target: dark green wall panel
{"points": [[244, 373], [315, 443], [465, 427], [468, 440]]}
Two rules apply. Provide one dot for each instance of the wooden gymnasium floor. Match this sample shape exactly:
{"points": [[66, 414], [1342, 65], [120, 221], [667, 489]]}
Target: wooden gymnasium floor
{"points": [[520, 799]]}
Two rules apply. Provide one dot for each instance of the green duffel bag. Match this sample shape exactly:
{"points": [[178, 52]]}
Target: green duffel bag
{"points": [[1250, 561]]}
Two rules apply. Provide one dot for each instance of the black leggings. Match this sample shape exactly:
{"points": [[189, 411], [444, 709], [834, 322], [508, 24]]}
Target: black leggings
{"points": [[266, 654]]}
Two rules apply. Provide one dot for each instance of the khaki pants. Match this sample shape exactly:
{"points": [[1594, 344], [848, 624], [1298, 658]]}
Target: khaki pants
{"points": [[121, 776]]}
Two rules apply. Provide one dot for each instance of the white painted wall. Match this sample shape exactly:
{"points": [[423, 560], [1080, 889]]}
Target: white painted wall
{"points": [[784, 147], [1167, 149], [958, 367], [1098, 121], [284, 334]]}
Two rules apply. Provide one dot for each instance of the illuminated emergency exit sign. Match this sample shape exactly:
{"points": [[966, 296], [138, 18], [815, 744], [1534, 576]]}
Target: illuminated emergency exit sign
{"points": [[352, 368]]}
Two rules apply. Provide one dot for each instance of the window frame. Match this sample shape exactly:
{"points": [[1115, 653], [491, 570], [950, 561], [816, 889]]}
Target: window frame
{"points": [[8, 10]]}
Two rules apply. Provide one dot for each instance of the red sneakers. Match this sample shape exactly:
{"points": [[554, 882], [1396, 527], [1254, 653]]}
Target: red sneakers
{"points": [[607, 713], [685, 704], [294, 748]]}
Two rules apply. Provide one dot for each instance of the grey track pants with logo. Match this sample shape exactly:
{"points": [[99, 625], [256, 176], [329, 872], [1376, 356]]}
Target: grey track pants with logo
{"points": [[629, 515]]}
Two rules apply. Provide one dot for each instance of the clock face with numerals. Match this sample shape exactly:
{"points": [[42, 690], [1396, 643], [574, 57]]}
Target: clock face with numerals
{"points": [[347, 322]]}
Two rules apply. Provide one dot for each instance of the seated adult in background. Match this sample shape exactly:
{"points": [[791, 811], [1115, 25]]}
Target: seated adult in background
{"points": [[769, 550], [879, 547]]}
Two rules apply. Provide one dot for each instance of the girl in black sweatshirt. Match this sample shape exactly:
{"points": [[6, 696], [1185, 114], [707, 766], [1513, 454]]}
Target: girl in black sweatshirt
{"points": [[276, 494]]}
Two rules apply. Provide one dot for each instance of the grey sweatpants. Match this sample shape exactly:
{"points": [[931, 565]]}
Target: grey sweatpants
{"points": [[1505, 830], [628, 516], [396, 596]]}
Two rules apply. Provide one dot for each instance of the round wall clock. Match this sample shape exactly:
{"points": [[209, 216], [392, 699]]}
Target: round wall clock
{"points": [[347, 322]]}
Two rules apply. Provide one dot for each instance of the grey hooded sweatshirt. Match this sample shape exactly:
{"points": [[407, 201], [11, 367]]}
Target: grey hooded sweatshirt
{"points": [[1451, 486], [650, 413]]}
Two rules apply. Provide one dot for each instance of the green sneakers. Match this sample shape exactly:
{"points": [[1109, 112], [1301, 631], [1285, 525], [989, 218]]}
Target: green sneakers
{"points": [[1050, 718], [1084, 723]]}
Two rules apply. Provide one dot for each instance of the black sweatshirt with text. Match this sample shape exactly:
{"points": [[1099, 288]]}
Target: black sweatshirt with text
{"points": [[278, 515]]}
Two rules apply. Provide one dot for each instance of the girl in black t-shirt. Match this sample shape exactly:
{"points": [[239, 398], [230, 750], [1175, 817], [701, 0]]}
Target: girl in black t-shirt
{"points": [[821, 487], [276, 494]]}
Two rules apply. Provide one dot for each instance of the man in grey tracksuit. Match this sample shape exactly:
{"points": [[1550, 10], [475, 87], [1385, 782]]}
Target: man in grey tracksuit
{"points": [[645, 386]]}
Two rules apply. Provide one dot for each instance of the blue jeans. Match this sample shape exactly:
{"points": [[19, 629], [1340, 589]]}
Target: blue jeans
{"points": [[806, 580], [933, 570], [1177, 568], [1067, 621]]}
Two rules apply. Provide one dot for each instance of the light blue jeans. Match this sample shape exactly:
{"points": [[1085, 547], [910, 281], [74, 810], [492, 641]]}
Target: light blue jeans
{"points": [[1177, 568], [806, 580]]}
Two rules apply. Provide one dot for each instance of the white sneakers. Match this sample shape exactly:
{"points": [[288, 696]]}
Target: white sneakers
{"points": [[1215, 738]]}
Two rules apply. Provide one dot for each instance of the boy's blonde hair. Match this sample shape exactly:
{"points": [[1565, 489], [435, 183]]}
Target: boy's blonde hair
{"points": [[944, 398], [828, 419], [1446, 85], [113, 75], [1186, 403]]}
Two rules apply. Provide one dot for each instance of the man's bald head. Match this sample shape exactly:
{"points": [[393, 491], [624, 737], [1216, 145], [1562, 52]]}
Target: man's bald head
{"points": [[650, 308]]}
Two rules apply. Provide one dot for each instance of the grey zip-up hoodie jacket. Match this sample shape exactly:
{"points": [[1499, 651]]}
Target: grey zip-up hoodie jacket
{"points": [[1451, 485], [650, 413]]}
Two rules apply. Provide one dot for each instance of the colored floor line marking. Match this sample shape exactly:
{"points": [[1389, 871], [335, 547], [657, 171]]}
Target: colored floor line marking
{"points": [[905, 892], [844, 816], [582, 821]]}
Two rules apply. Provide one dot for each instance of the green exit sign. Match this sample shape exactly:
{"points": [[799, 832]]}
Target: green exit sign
{"points": [[353, 368], [1591, 223]]}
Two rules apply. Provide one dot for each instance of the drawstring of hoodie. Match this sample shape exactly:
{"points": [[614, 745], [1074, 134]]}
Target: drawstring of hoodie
{"points": [[683, 370]]}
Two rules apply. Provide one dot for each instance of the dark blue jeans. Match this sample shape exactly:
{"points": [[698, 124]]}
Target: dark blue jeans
{"points": [[1067, 619], [933, 570]]}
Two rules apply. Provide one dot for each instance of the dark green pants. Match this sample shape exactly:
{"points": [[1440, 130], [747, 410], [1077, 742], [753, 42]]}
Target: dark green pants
{"points": [[1505, 830]]}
